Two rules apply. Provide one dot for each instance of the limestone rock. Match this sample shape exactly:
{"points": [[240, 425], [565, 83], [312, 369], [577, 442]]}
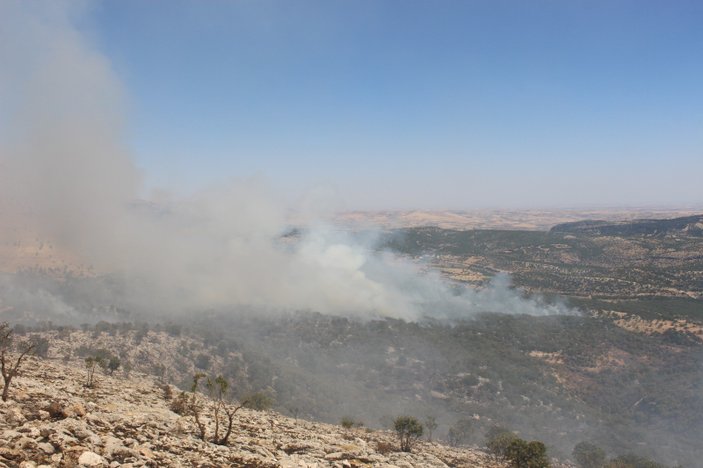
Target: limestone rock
{"points": [[91, 459], [127, 422]]}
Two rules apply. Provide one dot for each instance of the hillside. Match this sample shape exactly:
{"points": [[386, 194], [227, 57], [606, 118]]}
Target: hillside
{"points": [[52, 419], [578, 261], [622, 370], [540, 376], [526, 219], [686, 226]]}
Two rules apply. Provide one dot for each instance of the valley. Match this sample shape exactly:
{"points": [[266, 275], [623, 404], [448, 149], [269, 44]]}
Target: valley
{"points": [[622, 369]]}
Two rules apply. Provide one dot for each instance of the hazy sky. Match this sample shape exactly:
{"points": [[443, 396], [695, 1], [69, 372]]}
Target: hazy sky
{"points": [[405, 104]]}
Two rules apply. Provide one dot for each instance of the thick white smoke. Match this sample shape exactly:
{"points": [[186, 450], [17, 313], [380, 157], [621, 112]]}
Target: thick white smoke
{"points": [[64, 168]]}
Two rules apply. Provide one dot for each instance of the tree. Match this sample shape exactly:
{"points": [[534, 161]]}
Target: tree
{"points": [[193, 406], [91, 362], [10, 368], [498, 439], [409, 430], [588, 455], [430, 424], [113, 364], [523, 454], [188, 404], [460, 432], [41, 345], [259, 401], [202, 361], [217, 389]]}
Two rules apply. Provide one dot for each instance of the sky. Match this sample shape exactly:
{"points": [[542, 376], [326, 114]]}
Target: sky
{"points": [[414, 104]]}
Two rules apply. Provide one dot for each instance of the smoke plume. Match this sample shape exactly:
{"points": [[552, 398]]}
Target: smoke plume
{"points": [[66, 173]]}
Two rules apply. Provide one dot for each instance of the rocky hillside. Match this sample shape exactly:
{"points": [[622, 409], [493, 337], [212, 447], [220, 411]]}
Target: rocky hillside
{"points": [[53, 419]]}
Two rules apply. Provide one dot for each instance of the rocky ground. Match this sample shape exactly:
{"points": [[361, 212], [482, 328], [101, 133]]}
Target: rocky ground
{"points": [[53, 419]]}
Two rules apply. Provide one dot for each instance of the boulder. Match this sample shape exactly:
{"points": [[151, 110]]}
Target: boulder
{"points": [[89, 458]]}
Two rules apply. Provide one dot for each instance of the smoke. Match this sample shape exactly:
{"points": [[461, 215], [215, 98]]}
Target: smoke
{"points": [[67, 173]]}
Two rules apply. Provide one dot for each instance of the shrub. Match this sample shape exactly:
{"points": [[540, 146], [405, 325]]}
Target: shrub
{"points": [[498, 439], [588, 455], [523, 454], [202, 361], [633, 461], [55, 410], [347, 423], [168, 391], [91, 363], [259, 401], [113, 364], [180, 404], [409, 430], [460, 432], [430, 424], [221, 413], [41, 345], [10, 367], [384, 447]]}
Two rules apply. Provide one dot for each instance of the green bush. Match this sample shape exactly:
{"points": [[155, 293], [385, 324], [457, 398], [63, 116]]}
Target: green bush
{"points": [[523, 454], [259, 401], [498, 439], [347, 422], [409, 430]]}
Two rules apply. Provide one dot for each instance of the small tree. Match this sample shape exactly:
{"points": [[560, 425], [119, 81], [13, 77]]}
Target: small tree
{"points": [[588, 455], [409, 430], [430, 424], [188, 404], [523, 454], [202, 361], [259, 401], [41, 345], [460, 432], [498, 439], [91, 363], [194, 407], [10, 367], [113, 364], [347, 422], [217, 389]]}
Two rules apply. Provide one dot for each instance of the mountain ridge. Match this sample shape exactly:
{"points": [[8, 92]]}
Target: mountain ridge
{"points": [[686, 225]]}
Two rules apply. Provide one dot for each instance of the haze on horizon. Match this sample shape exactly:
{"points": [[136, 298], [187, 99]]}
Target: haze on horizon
{"points": [[389, 105]]}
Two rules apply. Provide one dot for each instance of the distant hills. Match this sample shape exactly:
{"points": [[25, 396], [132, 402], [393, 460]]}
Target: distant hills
{"points": [[687, 225], [517, 219]]}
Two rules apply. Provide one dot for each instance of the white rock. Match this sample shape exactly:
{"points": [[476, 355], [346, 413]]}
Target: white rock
{"points": [[14, 416], [91, 459], [46, 447]]}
